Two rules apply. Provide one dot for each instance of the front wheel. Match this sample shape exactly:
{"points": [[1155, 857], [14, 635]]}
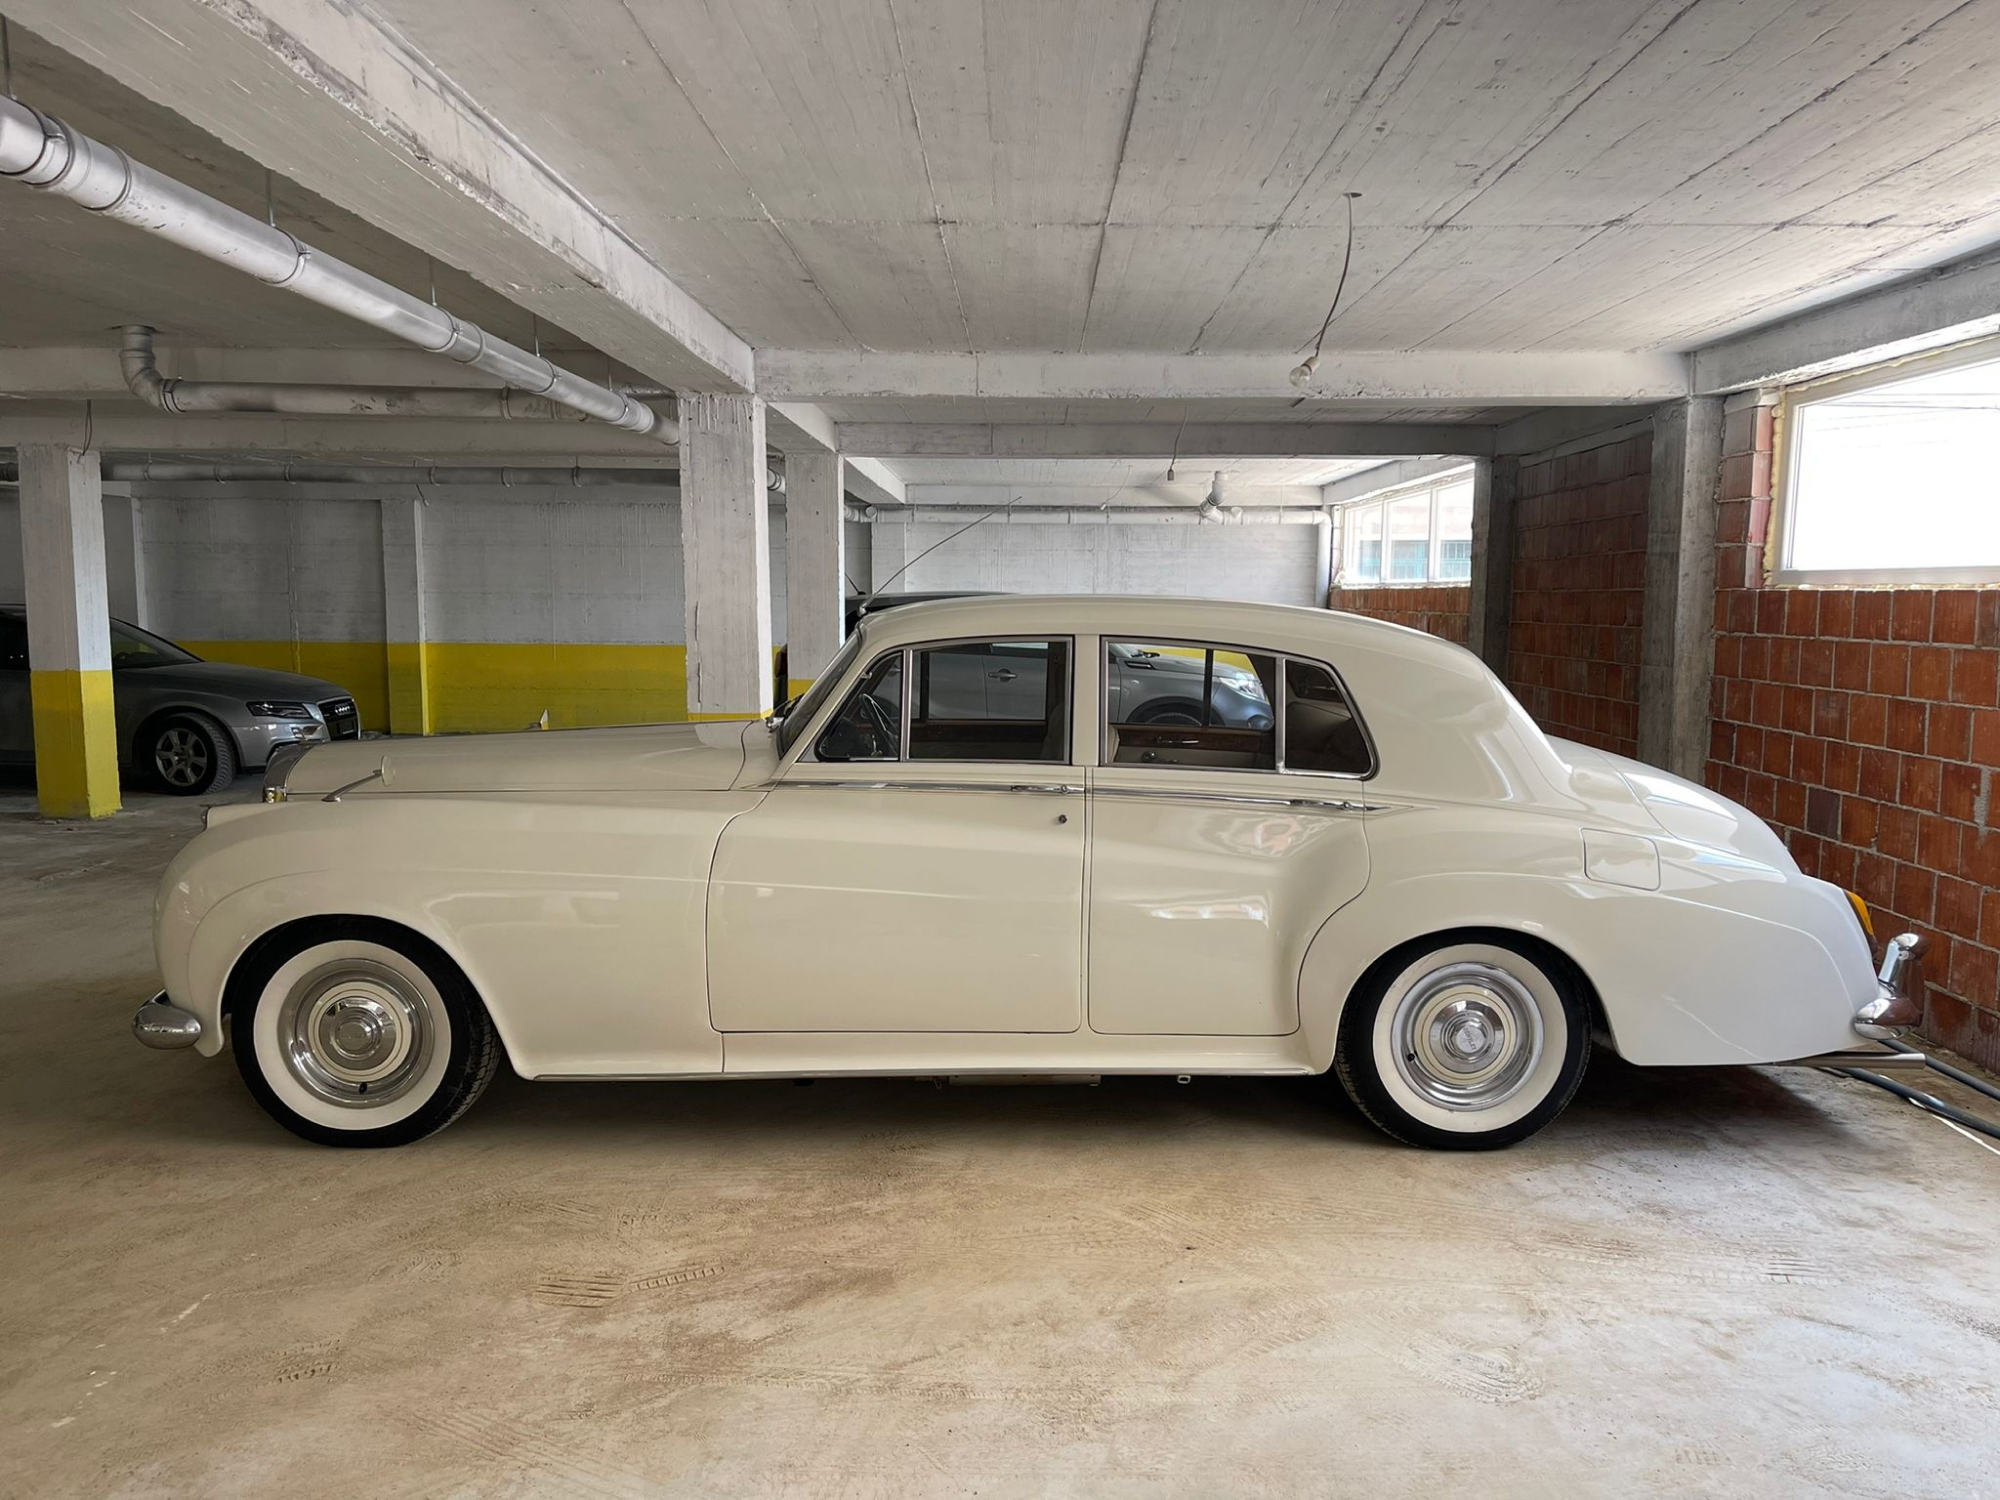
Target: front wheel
{"points": [[1465, 1045], [357, 1033], [189, 754]]}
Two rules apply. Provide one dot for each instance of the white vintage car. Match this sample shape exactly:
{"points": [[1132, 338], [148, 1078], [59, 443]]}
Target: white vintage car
{"points": [[1393, 875]]}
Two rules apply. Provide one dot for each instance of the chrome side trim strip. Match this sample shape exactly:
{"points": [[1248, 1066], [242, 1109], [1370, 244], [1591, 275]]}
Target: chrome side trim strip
{"points": [[1029, 789], [1166, 794]]}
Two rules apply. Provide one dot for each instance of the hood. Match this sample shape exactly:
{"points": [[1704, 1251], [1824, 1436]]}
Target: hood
{"points": [[238, 681], [639, 758], [1624, 791]]}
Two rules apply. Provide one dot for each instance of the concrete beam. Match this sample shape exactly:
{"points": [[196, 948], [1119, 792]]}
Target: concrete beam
{"points": [[1491, 608], [799, 427], [132, 428], [1194, 442], [1539, 432], [815, 565], [726, 548], [873, 482], [1947, 305], [69, 639], [1587, 378], [1676, 642], [325, 93], [125, 557], [1387, 476]]}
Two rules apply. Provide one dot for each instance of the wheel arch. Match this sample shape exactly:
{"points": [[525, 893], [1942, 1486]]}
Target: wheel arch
{"points": [[228, 945], [155, 719]]}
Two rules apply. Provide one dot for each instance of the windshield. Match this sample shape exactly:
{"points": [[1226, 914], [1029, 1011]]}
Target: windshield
{"points": [[797, 713], [133, 647]]}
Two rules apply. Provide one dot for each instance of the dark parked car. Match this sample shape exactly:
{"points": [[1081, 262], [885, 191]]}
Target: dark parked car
{"points": [[185, 725]]}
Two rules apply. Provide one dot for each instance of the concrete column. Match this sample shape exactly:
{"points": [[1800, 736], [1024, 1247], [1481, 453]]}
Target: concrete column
{"points": [[125, 561], [1676, 639], [815, 564], [69, 640], [726, 551], [888, 554], [405, 628], [1492, 604]]}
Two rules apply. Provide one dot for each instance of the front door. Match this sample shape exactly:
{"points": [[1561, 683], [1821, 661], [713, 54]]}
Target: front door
{"points": [[920, 868], [1222, 837]]}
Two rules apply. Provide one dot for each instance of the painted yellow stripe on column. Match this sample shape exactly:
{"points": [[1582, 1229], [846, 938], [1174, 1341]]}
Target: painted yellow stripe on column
{"points": [[796, 686], [409, 687], [76, 744]]}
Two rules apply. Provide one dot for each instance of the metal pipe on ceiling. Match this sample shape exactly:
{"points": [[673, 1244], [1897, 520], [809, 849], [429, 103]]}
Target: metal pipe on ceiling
{"points": [[45, 153], [143, 377], [192, 471], [1087, 515]]}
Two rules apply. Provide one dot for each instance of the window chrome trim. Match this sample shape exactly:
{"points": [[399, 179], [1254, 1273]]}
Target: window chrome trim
{"points": [[810, 755], [1240, 799], [1027, 789], [1283, 659]]}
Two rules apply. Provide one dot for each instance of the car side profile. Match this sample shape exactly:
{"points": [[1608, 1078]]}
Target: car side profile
{"points": [[1394, 877], [185, 726]]}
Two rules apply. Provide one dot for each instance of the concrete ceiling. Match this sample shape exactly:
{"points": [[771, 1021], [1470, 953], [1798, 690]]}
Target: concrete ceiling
{"points": [[72, 276], [941, 480], [1166, 175]]}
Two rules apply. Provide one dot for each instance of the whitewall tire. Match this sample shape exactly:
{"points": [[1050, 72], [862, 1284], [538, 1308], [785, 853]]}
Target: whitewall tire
{"points": [[358, 1033], [1465, 1043]]}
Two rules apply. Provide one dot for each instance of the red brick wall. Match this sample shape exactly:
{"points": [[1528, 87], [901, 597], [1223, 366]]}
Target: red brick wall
{"points": [[1443, 609], [1862, 724], [1579, 587]]}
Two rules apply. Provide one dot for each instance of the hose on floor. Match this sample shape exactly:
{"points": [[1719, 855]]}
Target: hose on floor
{"points": [[1957, 1075], [1930, 1103]]}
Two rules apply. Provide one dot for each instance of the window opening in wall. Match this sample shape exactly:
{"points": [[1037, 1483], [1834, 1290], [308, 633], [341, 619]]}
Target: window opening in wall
{"points": [[1414, 535], [1887, 476]]}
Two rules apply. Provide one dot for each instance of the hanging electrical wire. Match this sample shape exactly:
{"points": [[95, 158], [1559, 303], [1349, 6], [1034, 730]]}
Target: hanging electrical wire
{"points": [[1303, 374]]}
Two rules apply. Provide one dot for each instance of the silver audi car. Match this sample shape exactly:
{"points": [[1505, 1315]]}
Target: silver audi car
{"points": [[184, 725]]}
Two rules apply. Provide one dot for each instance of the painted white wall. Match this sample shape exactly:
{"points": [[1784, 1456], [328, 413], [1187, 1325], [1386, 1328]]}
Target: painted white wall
{"points": [[502, 565], [244, 568], [1269, 563]]}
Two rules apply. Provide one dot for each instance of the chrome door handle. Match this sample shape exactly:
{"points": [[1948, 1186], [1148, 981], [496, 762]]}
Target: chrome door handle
{"points": [[1052, 789], [1005, 674]]}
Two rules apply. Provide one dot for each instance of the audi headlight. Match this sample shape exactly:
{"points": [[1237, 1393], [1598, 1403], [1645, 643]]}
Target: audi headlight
{"points": [[279, 710]]}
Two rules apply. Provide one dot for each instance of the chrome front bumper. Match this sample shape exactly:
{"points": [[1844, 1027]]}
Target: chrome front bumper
{"points": [[164, 1025], [1899, 1005]]}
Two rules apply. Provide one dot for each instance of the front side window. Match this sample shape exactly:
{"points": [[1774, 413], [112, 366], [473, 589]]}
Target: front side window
{"points": [[1887, 478], [1004, 701], [1214, 707]]}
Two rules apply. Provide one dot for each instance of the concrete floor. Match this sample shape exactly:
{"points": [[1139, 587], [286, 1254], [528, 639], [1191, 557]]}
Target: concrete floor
{"points": [[1705, 1282]]}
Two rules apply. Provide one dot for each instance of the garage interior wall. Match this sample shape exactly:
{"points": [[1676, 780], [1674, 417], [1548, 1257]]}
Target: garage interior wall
{"points": [[1864, 726], [1223, 559], [538, 598]]}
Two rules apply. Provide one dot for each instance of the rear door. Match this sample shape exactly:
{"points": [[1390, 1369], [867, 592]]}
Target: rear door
{"points": [[920, 868], [1216, 855]]}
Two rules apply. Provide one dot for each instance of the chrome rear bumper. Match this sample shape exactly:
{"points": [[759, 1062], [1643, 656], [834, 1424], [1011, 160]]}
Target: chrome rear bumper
{"points": [[1899, 1005], [164, 1025]]}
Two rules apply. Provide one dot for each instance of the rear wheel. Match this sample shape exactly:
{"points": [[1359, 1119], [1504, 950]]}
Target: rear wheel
{"points": [[356, 1033], [1465, 1044], [189, 754]]}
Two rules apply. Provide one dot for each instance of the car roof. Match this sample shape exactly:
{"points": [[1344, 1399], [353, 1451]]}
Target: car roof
{"points": [[1225, 621]]}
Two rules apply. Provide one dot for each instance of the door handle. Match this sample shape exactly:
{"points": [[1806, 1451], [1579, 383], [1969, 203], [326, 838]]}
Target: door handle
{"points": [[1005, 674]]}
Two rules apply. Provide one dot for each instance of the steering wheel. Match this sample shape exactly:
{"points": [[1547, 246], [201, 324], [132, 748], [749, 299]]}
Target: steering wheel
{"points": [[881, 726]]}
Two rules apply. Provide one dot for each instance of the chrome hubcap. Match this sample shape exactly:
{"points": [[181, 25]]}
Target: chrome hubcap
{"points": [[1467, 1036], [356, 1032], [181, 756]]}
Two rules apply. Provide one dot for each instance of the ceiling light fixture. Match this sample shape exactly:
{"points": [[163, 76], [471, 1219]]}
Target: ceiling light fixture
{"points": [[1302, 375]]}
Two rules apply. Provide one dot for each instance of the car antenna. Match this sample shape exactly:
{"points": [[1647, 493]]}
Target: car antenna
{"points": [[874, 593]]}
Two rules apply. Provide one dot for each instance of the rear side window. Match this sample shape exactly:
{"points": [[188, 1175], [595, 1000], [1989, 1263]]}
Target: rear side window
{"points": [[1216, 707]]}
